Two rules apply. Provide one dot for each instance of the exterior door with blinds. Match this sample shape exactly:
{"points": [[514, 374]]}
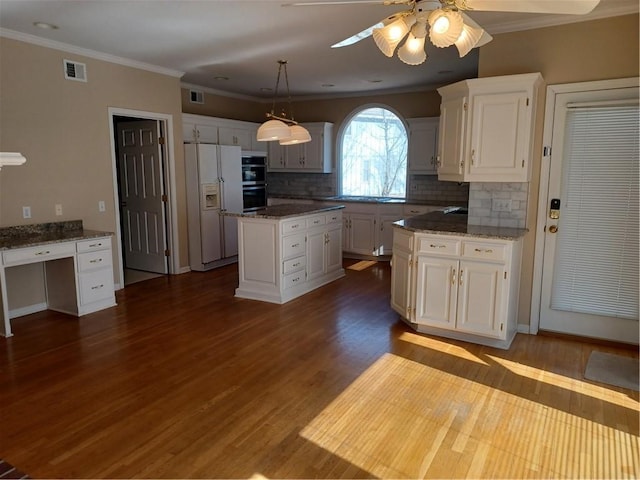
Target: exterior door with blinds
{"points": [[590, 279]]}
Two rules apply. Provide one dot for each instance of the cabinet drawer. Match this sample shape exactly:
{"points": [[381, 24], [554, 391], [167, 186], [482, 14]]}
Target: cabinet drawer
{"points": [[38, 254], [292, 226], [334, 217], [293, 246], [438, 245], [293, 265], [92, 260], [484, 250], [94, 244], [316, 221], [94, 286], [293, 279]]}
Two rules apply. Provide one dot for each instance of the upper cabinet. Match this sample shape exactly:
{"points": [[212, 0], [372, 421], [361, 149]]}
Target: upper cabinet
{"points": [[222, 131], [486, 129], [310, 157], [423, 142]]}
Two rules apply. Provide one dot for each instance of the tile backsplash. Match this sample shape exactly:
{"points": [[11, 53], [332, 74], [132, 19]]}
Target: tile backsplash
{"points": [[498, 204], [421, 188]]}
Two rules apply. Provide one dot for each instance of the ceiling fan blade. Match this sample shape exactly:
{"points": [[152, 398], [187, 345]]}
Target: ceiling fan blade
{"points": [[367, 32], [346, 2], [576, 7]]}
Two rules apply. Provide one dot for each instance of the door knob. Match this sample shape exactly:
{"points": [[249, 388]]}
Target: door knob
{"points": [[553, 229]]}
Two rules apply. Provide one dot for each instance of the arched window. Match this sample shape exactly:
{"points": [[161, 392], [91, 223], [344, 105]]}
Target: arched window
{"points": [[374, 154]]}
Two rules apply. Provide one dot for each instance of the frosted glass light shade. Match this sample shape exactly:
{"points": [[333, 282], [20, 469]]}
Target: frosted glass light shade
{"points": [[11, 158], [446, 27], [297, 134], [468, 39], [387, 38], [412, 52], [272, 130]]}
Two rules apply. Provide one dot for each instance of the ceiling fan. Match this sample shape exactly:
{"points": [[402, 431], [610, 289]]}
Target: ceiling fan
{"points": [[444, 22]]}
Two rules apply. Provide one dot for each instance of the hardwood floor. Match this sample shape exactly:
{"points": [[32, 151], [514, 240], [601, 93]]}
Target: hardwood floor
{"points": [[182, 380]]}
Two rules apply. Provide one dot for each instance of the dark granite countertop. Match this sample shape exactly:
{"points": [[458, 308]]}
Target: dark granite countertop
{"points": [[455, 224], [21, 236], [277, 212], [360, 199]]}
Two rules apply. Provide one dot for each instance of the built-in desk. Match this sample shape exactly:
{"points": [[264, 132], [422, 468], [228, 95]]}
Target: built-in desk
{"points": [[76, 266]]}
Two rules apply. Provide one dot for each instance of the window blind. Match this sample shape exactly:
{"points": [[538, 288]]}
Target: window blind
{"points": [[597, 250]]}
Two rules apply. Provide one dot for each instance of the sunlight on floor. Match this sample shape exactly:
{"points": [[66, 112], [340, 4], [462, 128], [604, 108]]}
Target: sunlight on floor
{"points": [[445, 347], [403, 419]]}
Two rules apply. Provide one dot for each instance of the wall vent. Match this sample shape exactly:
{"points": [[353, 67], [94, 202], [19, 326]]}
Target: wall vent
{"points": [[75, 71], [196, 96]]}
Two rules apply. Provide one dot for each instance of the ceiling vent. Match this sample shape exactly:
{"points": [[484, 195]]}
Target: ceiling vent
{"points": [[196, 96], [75, 71]]}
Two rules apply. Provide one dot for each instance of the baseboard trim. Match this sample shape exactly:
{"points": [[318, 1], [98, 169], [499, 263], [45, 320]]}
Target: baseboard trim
{"points": [[589, 340], [28, 310]]}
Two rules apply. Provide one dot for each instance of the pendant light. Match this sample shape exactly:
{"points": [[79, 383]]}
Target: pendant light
{"points": [[280, 128]]}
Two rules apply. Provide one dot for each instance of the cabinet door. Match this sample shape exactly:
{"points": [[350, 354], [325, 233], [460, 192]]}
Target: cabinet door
{"points": [[235, 136], [188, 132], [206, 133], [295, 156], [452, 128], [436, 291], [277, 156], [315, 254], [333, 256], [401, 282], [423, 139], [384, 243], [480, 309], [500, 126], [362, 233]]}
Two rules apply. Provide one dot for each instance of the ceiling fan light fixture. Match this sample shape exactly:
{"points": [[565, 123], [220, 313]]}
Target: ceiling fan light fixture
{"points": [[446, 27], [412, 51], [388, 37], [468, 39], [297, 134]]}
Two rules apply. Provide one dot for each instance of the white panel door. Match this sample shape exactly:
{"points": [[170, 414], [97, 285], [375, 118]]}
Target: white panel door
{"points": [[436, 293], [452, 129], [362, 233], [562, 237], [141, 196], [480, 298]]}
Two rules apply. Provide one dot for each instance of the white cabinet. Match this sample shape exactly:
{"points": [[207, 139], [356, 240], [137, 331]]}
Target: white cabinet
{"points": [[459, 287], [95, 275], [368, 228], [360, 233], [311, 157], [423, 141], [221, 131], [486, 128], [280, 260]]}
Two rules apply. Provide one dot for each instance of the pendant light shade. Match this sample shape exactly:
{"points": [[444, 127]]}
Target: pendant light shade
{"points": [[387, 38], [283, 129], [412, 51], [446, 27], [297, 134], [272, 130], [468, 39]]}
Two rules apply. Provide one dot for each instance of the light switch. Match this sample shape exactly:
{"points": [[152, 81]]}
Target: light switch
{"points": [[58, 209], [501, 205], [26, 212], [101, 206]]}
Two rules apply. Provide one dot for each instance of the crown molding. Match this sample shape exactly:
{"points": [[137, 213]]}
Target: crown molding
{"points": [[65, 47]]}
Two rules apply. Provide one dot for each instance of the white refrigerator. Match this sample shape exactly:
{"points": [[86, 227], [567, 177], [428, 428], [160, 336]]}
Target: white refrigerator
{"points": [[214, 185]]}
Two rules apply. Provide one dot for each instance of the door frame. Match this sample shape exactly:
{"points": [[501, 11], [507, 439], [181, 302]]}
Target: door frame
{"points": [[545, 168], [169, 180]]}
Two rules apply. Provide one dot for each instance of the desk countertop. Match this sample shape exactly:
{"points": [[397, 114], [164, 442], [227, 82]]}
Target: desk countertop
{"points": [[22, 236]]}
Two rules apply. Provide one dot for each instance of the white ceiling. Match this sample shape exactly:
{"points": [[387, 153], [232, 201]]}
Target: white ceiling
{"points": [[243, 39]]}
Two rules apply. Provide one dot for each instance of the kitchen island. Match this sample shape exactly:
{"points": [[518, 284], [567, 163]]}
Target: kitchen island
{"points": [[457, 280], [285, 251]]}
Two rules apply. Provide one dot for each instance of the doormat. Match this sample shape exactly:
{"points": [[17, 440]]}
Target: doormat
{"points": [[9, 471], [361, 265], [613, 370]]}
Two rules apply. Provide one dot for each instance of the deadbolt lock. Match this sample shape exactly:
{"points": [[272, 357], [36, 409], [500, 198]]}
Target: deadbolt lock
{"points": [[553, 228]]}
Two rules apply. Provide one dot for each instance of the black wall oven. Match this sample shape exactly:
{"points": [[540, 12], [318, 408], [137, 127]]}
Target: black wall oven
{"points": [[254, 181]]}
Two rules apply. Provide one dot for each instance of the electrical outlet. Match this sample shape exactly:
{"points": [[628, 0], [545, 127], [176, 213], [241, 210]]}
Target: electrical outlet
{"points": [[58, 209], [101, 206], [26, 212], [501, 205]]}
